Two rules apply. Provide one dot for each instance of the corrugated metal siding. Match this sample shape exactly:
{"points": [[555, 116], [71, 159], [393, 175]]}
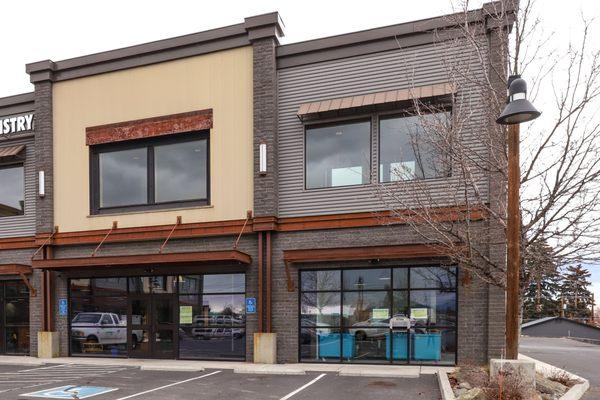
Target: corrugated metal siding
{"points": [[398, 69], [22, 225]]}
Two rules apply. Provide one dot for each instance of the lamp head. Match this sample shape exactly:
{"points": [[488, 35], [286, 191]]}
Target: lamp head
{"points": [[518, 109]]}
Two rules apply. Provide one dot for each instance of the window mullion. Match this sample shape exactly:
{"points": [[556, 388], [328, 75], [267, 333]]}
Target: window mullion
{"points": [[151, 176]]}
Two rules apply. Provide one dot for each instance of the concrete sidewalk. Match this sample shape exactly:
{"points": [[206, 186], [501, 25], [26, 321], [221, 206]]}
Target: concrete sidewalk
{"points": [[366, 370]]}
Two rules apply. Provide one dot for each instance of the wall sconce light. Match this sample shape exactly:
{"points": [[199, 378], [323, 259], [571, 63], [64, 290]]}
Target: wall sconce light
{"points": [[262, 158], [41, 184]]}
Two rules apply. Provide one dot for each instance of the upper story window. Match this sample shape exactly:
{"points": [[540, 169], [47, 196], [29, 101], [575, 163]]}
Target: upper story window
{"points": [[12, 190], [338, 154], [151, 173], [407, 147]]}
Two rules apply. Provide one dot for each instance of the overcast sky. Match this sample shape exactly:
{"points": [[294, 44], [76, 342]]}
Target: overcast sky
{"points": [[35, 30]]}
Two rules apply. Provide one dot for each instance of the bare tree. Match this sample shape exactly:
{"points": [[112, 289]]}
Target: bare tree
{"points": [[449, 183]]}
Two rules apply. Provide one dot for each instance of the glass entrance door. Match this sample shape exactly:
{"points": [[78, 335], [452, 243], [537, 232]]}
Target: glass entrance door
{"points": [[153, 326]]}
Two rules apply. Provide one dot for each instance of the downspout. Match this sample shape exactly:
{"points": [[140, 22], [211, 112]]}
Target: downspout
{"points": [[260, 282], [269, 291]]}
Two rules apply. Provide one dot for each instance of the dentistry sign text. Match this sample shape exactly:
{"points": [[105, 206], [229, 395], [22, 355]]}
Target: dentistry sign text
{"points": [[18, 124]]}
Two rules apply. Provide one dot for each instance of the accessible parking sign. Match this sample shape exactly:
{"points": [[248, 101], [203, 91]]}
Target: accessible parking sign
{"points": [[70, 392]]}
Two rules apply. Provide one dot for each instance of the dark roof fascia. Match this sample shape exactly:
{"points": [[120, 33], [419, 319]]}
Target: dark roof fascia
{"points": [[545, 321], [195, 44], [391, 37], [17, 104]]}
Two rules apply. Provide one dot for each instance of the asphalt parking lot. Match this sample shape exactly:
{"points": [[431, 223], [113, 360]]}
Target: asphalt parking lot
{"points": [[18, 382], [582, 359]]}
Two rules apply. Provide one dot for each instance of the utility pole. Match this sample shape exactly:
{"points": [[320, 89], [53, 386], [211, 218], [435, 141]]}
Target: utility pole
{"points": [[514, 244], [518, 110]]}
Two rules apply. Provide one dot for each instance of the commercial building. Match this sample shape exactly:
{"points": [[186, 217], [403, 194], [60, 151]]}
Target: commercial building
{"points": [[177, 198]]}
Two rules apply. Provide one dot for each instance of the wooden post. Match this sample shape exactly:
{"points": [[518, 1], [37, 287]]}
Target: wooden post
{"points": [[513, 240]]}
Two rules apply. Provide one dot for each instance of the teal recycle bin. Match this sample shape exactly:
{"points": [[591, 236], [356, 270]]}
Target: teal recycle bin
{"points": [[400, 345], [329, 345], [427, 346]]}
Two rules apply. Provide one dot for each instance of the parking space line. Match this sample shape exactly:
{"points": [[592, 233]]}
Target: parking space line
{"points": [[37, 369], [301, 388], [167, 386]]}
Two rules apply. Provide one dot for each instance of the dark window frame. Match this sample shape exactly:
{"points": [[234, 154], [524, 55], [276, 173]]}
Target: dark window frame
{"points": [[342, 121], [342, 327], [16, 164], [149, 144]]}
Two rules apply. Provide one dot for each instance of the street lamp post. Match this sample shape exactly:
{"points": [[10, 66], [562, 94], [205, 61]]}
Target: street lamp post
{"points": [[517, 110]]}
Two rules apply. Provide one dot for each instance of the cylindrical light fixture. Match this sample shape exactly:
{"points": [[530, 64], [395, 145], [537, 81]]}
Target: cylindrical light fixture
{"points": [[262, 150], [41, 184]]}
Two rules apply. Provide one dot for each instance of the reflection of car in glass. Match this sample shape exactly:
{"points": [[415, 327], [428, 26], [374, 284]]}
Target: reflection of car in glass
{"points": [[214, 333], [375, 327], [214, 322], [102, 328]]}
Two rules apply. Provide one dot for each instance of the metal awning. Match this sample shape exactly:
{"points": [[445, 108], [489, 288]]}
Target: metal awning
{"points": [[15, 269], [171, 259], [11, 151], [374, 99], [398, 252]]}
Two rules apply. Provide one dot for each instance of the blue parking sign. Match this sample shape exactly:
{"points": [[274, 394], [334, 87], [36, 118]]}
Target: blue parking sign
{"points": [[68, 392], [251, 305], [63, 307]]}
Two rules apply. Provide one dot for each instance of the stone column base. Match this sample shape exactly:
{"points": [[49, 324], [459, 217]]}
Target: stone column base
{"points": [[48, 345], [265, 348], [523, 368]]}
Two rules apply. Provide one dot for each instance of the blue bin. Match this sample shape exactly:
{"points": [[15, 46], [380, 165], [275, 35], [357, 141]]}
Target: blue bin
{"points": [[329, 345], [427, 346], [400, 346]]}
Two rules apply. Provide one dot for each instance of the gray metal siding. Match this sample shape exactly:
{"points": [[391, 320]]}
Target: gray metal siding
{"points": [[397, 69], [22, 225]]}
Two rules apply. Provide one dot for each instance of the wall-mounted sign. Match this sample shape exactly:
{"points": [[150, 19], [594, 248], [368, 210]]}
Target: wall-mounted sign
{"points": [[251, 305], [63, 307], [381, 313], [185, 314], [21, 123]]}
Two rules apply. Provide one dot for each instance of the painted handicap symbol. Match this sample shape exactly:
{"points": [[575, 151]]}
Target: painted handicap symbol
{"points": [[70, 392]]}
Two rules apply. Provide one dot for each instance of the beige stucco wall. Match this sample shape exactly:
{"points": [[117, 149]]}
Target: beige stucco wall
{"points": [[221, 81]]}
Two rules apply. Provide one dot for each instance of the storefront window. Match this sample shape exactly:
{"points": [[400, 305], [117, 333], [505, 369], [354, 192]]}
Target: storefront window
{"points": [[338, 155], [98, 325], [149, 173], [165, 316], [213, 318], [386, 315], [12, 195]]}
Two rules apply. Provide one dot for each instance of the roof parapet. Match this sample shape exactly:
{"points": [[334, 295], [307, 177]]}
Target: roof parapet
{"points": [[228, 37], [264, 25]]}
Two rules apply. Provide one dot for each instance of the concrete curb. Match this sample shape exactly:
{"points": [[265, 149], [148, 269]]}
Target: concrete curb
{"points": [[268, 370], [380, 372], [22, 360], [445, 387], [171, 368], [575, 393]]}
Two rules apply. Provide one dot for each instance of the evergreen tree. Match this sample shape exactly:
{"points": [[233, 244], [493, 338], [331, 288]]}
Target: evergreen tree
{"points": [[540, 296], [575, 292]]}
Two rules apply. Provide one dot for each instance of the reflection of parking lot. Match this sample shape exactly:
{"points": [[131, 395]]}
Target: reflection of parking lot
{"points": [[132, 383]]}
